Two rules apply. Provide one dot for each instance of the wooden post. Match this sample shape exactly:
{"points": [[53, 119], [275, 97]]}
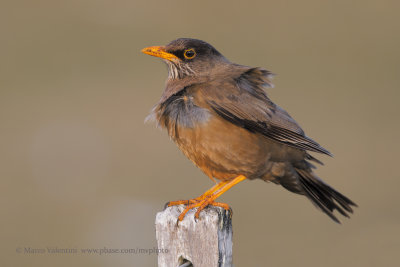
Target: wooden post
{"points": [[206, 242]]}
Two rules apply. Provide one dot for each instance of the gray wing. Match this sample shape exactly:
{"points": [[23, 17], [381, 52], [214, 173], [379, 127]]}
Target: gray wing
{"points": [[243, 102]]}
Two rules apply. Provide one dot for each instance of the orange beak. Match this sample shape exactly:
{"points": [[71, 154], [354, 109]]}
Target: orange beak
{"points": [[159, 51]]}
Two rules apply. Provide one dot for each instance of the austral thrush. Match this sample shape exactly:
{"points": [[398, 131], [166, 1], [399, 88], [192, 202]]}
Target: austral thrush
{"points": [[220, 116]]}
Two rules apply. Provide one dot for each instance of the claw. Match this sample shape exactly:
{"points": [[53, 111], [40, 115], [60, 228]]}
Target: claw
{"points": [[201, 205]]}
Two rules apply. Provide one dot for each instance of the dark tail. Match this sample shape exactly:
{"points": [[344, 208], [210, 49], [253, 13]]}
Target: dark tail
{"points": [[323, 196]]}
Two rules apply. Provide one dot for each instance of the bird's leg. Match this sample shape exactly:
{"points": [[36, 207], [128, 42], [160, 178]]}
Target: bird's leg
{"points": [[212, 189], [197, 199], [209, 198]]}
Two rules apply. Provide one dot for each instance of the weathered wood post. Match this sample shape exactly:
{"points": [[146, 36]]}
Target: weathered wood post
{"points": [[206, 242]]}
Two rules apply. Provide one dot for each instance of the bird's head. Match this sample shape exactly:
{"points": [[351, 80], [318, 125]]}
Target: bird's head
{"points": [[187, 57]]}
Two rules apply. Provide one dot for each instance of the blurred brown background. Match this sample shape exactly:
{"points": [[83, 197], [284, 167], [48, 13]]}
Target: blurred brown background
{"points": [[80, 169]]}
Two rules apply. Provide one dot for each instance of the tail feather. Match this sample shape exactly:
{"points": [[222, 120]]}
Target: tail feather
{"points": [[324, 196]]}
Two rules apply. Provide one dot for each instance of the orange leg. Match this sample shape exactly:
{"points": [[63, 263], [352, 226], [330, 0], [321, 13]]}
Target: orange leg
{"points": [[197, 199], [209, 197]]}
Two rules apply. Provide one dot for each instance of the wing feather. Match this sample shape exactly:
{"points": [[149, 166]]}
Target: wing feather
{"points": [[244, 102]]}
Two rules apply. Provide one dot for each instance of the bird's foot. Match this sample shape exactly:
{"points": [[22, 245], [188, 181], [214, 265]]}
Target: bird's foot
{"points": [[196, 200], [207, 199], [182, 202], [201, 205]]}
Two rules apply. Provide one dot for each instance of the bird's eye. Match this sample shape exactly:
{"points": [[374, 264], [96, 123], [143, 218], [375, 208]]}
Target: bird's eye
{"points": [[189, 53]]}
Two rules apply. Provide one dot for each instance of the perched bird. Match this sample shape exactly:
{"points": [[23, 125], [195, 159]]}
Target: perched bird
{"points": [[220, 116]]}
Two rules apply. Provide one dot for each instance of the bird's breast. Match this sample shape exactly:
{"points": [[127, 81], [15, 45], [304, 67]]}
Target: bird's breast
{"points": [[180, 111]]}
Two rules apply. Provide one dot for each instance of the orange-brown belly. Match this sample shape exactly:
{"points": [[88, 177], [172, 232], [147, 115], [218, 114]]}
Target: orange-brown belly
{"points": [[223, 150]]}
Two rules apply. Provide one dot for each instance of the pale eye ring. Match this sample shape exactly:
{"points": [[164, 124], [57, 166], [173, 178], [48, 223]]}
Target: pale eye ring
{"points": [[189, 53]]}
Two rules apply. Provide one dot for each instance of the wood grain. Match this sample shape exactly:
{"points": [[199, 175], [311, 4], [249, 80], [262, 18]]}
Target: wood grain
{"points": [[206, 242]]}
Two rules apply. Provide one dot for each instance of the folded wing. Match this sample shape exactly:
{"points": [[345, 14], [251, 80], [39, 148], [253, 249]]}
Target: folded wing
{"points": [[262, 115]]}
